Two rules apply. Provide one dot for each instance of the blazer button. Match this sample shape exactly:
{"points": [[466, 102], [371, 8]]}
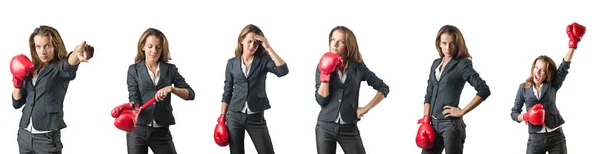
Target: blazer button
{"points": [[340, 100]]}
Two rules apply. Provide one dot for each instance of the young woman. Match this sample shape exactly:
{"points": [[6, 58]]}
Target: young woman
{"points": [[338, 78], [447, 78], [244, 98], [153, 76], [41, 86], [538, 94]]}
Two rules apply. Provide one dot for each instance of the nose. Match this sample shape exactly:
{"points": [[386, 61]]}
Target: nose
{"points": [[336, 44]]}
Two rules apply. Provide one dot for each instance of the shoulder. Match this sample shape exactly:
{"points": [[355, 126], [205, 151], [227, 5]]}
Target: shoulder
{"points": [[465, 61], [134, 65], [265, 57], [230, 60]]}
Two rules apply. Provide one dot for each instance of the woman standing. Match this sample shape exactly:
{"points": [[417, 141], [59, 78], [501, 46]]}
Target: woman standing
{"points": [[447, 78], [41, 85], [244, 98], [338, 78], [538, 94], [153, 76]]}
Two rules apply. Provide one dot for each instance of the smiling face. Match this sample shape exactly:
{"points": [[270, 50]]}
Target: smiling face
{"points": [[152, 48], [44, 48]]}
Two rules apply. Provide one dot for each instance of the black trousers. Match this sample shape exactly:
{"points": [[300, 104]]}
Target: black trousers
{"points": [[450, 135], [256, 125], [553, 142], [347, 135], [47, 143], [158, 139]]}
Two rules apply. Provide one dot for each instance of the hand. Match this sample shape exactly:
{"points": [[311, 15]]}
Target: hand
{"points": [[450, 111], [162, 93], [263, 41], [84, 52], [361, 111]]}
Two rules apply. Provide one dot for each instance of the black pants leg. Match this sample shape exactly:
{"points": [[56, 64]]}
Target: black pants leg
{"points": [[46, 143], [158, 139], [347, 135], [256, 126], [450, 136], [552, 142]]}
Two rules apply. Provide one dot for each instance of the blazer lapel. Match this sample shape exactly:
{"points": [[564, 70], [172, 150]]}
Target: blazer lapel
{"points": [[163, 72], [254, 64], [145, 74], [348, 71], [237, 66], [47, 69], [448, 67], [545, 87]]}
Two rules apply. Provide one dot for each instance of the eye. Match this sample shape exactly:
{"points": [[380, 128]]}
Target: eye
{"points": [[444, 43]]}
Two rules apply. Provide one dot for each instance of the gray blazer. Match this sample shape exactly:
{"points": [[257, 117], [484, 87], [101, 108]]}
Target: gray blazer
{"points": [[526, 97], [44, 101], [238, 88], [448, 89], [141, 89], [343, 97]]}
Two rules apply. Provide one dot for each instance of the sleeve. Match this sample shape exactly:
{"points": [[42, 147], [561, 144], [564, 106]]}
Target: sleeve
{"points": [[19, 103], [66, 70], [179, 82], [470, 75], [320, 99], [373, 80], [228, 88], [519, 102], [561, 74], [277, 70], [132, 85]]}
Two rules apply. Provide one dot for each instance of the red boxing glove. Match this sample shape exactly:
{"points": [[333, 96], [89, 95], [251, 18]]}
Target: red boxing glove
{"points": [[536, 115], [425, 134], [20, 67], [575, 32], [221, 134], [126, 117], [328, 63]]}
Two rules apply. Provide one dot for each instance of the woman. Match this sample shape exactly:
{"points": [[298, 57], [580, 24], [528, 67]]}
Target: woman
{"points": [[538, 93], [447, 78], [338, 78], [244, 98], [153, 76], [41, 86]]}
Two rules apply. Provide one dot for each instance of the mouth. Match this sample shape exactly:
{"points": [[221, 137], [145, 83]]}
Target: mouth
{"points": [[334, 50]]}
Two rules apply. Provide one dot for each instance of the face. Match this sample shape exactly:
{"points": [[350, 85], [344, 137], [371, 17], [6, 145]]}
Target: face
{"points": [[539, 71], [447, 44], [43, 48], [337, 44], [152, 48], [250, 44]]}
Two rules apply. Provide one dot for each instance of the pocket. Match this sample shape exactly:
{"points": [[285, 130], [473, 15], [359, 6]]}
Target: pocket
{"points": [[53, 106]]}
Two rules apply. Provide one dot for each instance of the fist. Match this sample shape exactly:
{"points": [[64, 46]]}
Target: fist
{"points": [[575, 32]]}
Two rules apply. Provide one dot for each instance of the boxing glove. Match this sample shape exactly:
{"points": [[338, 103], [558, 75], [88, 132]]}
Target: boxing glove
{"points": [[575, 32], [126, 120], [328, 63], [117, 110], [425, 134], [20, 67], [536, 115], [221, 134]]}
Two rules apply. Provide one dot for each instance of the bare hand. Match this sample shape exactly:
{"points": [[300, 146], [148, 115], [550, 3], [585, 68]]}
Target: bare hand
{"points": [[263, 41], [450, 111], [361, 111], [84, 52], [162, 93]]}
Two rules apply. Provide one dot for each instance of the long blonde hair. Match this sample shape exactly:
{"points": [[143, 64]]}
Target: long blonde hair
{"points": [[165, 55], [60, 52]]}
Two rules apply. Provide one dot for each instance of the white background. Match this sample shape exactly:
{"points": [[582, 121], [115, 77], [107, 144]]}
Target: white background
{"points": [[396, 41]]}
